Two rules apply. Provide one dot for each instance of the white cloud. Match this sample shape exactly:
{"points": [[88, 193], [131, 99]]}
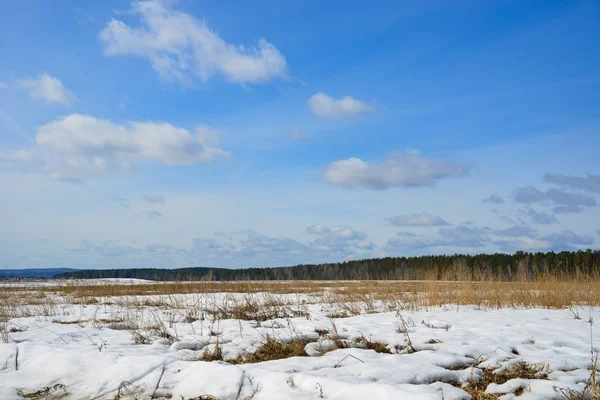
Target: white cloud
{"points": [[48, 89], [420, 219], [325, 106], [342, 233], [403, 169], [181, 47], [80, 146], [3, 85], [317, 229], [343, 242]]}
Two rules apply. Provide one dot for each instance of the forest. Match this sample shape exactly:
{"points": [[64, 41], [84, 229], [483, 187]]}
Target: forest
{"points": [[520, 266]]}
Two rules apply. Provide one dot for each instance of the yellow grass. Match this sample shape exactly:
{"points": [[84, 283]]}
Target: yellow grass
{"points": [[357, 296]]}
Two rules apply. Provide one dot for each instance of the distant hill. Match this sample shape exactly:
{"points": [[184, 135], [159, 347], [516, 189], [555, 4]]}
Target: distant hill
{"points": [[508, 267], [33, 273]]}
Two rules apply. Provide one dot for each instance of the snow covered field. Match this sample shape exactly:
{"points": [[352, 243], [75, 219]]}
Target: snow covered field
{"points": [[73, 282], [187, 346]]}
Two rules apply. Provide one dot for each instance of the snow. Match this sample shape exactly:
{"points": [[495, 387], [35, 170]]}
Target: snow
{"points": [[37, 283], [76, 347]]}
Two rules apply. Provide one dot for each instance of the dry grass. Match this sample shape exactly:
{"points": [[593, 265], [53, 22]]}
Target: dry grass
{"points": [[351, 297], [522, 370], [273, 349], [166, 288], [214, 354], [361, 299], [370, 344]]}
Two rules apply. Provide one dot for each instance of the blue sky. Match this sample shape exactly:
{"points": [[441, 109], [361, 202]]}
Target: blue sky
{"points": [[184, 133]]}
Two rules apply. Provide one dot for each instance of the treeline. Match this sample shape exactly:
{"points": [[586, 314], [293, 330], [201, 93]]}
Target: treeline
{"points": [[521, 266]]}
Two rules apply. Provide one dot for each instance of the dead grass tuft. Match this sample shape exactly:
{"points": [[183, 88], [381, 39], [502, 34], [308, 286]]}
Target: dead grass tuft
{"points": [[273, 349], [520, 370], [212, 355], [371, 344]]}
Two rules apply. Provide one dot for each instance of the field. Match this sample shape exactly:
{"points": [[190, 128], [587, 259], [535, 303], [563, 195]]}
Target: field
{"points": [[133, 339]]}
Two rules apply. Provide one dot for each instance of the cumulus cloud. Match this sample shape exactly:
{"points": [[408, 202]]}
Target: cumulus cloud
{"points": [[400, 169], [493, 199], [47, 89], [317, 229], [590, 183], [562, 201], [80, 146], [342, 241], [154, 198], [343, 233], [419, 219], [325, 106], [183, 48], [539, 217]]}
